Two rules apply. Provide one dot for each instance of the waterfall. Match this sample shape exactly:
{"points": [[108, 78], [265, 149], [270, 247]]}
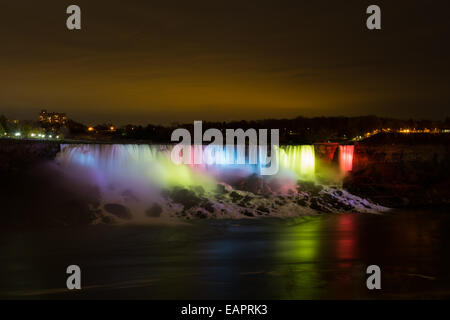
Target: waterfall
{"points": [[346, 158], [153, 161], [299, 159], [107, 157], [138, 176], [119, 163]]}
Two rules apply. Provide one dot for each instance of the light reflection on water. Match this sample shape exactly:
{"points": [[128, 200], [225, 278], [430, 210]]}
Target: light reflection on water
{"points": [[321, 257]]}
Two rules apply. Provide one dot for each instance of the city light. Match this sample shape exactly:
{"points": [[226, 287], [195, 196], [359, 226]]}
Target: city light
{"points": [[401, 130]]}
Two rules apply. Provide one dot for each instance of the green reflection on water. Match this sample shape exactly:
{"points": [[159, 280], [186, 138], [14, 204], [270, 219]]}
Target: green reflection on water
{"points": [[298, 253]]}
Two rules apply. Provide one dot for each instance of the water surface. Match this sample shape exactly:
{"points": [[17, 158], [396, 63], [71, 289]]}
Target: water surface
{"points": [[321, 257]]}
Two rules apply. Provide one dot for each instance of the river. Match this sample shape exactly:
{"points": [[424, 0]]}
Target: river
{"points": [[315, 257]]}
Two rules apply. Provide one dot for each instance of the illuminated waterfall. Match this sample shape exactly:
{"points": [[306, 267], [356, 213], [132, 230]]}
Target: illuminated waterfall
{"points": [[346, 158], [113, 164], [152, 163], [299, 159], [106, 156], [136, 178]]}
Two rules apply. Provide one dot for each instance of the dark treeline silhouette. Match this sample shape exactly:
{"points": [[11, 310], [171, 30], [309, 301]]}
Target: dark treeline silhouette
{"points": [[300, 129]]}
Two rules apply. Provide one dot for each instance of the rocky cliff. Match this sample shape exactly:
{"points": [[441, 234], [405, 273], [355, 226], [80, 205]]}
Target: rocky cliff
{"points": [[399, 170], [16, 155]]}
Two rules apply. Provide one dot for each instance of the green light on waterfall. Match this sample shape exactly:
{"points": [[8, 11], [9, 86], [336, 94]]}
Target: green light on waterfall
{"points": [[182, 175], [299, 159], [307, 160]]}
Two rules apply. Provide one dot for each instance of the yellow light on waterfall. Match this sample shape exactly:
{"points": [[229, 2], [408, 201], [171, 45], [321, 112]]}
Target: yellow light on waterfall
{"points": [[307, 161], [299, 159]]}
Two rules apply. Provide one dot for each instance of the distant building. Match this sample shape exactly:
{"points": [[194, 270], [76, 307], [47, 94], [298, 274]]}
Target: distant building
{"points": [[52, 118]]}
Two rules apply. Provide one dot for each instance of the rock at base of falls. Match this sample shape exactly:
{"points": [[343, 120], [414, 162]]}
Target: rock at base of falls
{"points": [[118, 210], [154, 211], [306, 198]]}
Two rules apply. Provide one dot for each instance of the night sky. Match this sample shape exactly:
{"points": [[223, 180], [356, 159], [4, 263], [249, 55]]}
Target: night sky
{"points": [[166, 61]]}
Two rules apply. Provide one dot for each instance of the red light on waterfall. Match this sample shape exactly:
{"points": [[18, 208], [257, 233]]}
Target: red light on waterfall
{"points": [[346, 158]]}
